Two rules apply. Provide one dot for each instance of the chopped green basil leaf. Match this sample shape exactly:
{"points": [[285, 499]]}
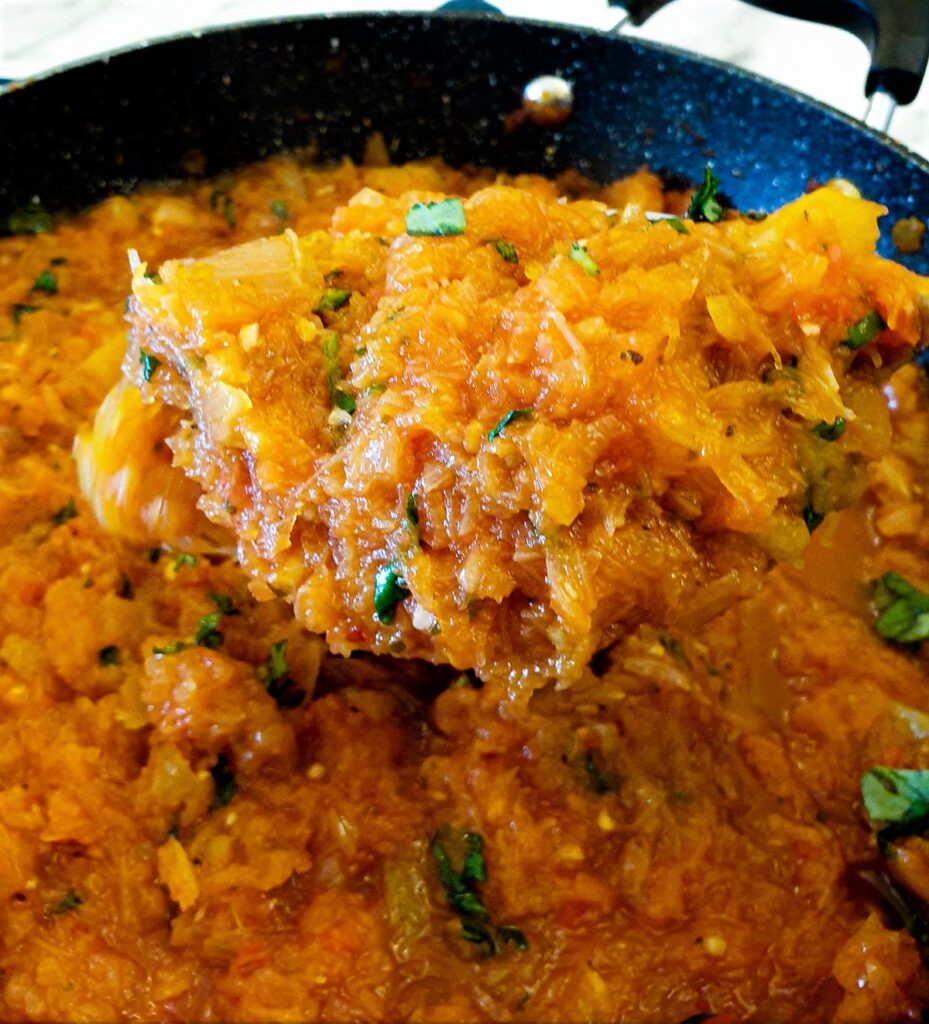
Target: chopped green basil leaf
{"points": [[33, 219], [223, 201], [675, 223], [903, 610], [389, 590], [175, 647], [440, 219], [208, 634], [895, 794], [704, 205], [830, 431], [46, 282], [277, 661], [461, 892], [578, 253], [149, 364], [343, 400], [276, 675], [865, 330], [511, 417], [224, 603], [279, 209], [333, 299], [184, 559], [330, 345], [506, 250], [109, 655], [339, 398]]}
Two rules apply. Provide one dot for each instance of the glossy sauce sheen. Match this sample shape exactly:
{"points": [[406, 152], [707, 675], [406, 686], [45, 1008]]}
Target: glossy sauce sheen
{"points": [[678, 832]]}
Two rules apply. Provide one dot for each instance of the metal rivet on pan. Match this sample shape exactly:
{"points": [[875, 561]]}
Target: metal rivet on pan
{"points": [[548, 100]]}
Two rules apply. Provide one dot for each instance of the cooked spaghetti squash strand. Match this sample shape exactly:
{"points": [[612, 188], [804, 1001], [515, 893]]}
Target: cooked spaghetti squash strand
{"points": [[502, 432]]}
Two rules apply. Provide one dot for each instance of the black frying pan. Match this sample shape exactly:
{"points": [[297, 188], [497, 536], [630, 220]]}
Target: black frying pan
{"points": [[444, 84]]}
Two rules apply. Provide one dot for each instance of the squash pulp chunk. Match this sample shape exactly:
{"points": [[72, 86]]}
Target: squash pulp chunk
{"points": [[506, 447]]}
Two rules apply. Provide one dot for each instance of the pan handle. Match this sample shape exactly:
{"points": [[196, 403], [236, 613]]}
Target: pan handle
{"points": [[896, 33]]}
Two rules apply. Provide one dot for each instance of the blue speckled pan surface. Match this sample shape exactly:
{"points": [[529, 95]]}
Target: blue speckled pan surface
{"points": [[438, 84]]}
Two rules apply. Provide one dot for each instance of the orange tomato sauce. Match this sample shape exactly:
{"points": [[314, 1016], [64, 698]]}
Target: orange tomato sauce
{"points": [[206, 815]]}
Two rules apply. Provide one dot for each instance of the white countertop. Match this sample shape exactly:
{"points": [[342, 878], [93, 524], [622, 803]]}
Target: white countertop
{"points": [[825, 63]]}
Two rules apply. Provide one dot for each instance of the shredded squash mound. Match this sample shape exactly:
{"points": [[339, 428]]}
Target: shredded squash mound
{"points": [[531, 437], [205, 815]]}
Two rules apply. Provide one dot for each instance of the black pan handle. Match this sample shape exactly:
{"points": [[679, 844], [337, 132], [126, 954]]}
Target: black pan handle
{"points": [[896, 33]]}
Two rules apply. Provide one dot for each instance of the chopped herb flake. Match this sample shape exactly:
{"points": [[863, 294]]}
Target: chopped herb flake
{"points": [[461, 893], [506, 250], [279, 209], [109, 655], [811, 517], [506, 933], [898, 799], [70, 901], [277, 661], [864, 331], [511, 417], [223, 201], [333, 299], [440, 219], [276, 675], [903, 610], [67, 512], [596, 774], [675, 223], [224, 783], [149, 364], [343, 400], [46, 282], [339, 398], [208, 634], [412, 512], [224, 603], [389, 590], [578, 253], [184, 559], [20, 309], [895, 794], [33, 219], [830, 431], [704, 206], [153, 275], [175, 647]]}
